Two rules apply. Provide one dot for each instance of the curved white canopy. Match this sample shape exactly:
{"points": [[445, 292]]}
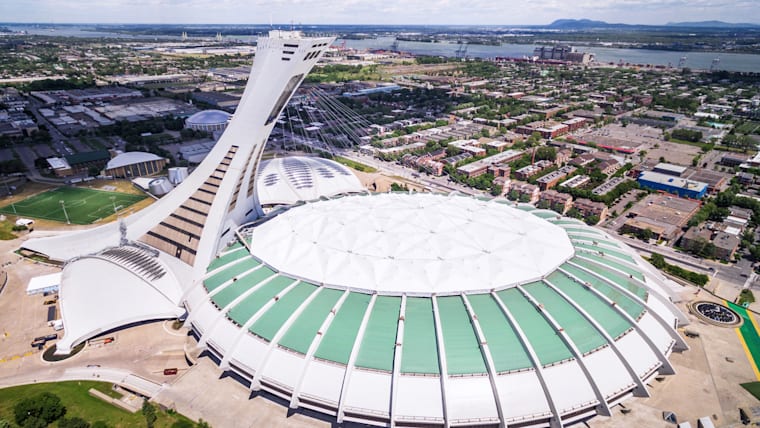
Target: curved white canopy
{"points": [[285, 181], [426, 244], [98, 295], [130, 158]]}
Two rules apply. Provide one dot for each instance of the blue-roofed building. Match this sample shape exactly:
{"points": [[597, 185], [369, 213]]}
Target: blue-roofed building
{"points": [[667, 183]]}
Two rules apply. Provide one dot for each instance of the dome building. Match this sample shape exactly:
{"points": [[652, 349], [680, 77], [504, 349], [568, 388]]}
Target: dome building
{"points": [[400, 309], [208, 120], [388, 309], [286, 181], [135, 164]]}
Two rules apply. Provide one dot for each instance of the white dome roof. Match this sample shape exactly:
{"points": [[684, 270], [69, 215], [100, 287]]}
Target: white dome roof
{"points": [[209, 117], [285, 181], [394, 243]]}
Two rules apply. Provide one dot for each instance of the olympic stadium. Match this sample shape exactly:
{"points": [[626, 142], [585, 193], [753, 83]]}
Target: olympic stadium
{"points": [[396, 309]]}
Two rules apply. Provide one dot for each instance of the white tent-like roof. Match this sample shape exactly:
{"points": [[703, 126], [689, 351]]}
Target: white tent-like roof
{"points": [[43, 283], [285, 181], [131, 158], [101, 293], [397, 244]]}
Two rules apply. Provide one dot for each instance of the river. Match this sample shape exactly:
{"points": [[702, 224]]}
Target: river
{"points": [[694, 60]]}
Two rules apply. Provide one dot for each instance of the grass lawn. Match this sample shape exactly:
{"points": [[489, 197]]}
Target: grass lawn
{"points": [[80, 403], [6, 231], [353, 164], [753, 388], [83, 206]]}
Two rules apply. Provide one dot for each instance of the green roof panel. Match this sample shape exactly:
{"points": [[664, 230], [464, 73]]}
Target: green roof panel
{"points": [[226, 274], [604, 314], [463, 355], [248, 307], [547, 344], [379, 341], [270, 322], [420, 350], [630, 306], [507, 351], [301, 333], [580, 331], [339, 339], [235, 289]]}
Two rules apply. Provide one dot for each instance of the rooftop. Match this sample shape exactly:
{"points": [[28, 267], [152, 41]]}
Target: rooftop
{"points": [[425, 244]]}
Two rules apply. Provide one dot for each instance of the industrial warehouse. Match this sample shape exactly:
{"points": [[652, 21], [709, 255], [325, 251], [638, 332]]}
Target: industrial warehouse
{"points": [[392, 309]]}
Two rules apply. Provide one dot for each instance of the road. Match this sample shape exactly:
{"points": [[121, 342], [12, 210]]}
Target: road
{"points": [[438, 184], [735, 273]]}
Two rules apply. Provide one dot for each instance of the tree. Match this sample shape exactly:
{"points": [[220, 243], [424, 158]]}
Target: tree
{"points": [[149, 411], [546, 153], [646, 235], [395, 187], [4, 424], [34, 422], [43, 408], [74, 422], [658, 260], [202, 424]]}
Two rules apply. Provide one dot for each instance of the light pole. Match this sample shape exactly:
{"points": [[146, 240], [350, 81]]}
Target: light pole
{"points": [[113, 201], [63, 205]]}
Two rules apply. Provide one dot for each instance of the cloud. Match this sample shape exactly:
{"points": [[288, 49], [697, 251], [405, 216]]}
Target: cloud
{"points": [[424, 12]]}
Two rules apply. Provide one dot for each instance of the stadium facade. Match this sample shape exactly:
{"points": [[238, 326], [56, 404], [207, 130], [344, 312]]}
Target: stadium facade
{"points": [[392, 309]]}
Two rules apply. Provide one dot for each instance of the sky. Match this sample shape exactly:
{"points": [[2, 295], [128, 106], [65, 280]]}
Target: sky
{"points": [[422, 12]]}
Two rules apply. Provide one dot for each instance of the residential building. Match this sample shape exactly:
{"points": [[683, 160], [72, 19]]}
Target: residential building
{"points": [[589, 208], [529, 171], [552, 199], [524, 192], [553, 178]]}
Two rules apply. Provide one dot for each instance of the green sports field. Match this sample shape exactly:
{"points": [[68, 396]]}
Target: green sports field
{"points": [[84, 206]]}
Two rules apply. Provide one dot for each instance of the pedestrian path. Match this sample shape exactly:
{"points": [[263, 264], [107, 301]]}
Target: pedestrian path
{"points": [[749, 336]]}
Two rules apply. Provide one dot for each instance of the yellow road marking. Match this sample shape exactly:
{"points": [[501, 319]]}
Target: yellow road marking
{"points": [[749, 354], [754, 322]]}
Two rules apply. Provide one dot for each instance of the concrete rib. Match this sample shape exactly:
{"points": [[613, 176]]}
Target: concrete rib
{"points": [[604, 408], [557, 420]]}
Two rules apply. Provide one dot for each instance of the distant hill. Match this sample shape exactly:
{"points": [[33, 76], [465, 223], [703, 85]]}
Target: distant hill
{"points": [[712, 24], [585, 24], [581, 24]]}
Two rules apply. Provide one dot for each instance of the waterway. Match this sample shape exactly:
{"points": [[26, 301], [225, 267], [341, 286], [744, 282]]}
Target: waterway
{"points": [[694, 60]]}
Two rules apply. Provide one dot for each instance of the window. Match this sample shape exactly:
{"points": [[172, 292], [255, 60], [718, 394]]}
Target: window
{"points": [[290, 87]]}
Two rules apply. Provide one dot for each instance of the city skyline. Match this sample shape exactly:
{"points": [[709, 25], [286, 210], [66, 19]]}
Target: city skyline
{"points": [[391, 12]]}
